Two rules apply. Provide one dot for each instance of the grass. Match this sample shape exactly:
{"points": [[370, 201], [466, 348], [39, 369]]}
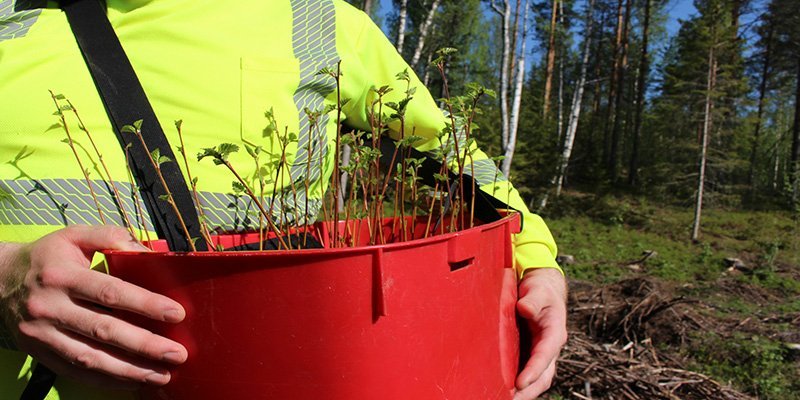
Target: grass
{"points": [[607, 234], [758, 365]]}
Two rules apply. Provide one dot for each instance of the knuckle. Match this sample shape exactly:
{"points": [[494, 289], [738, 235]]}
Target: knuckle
{"points": [[50, 277], [36, 309], [109, 294], [563, 338], [27, 329], [103, 330], [85, 360]]}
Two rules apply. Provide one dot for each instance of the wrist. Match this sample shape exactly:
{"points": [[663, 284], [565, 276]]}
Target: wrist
{"points": [[545, 279], [10, 280]]}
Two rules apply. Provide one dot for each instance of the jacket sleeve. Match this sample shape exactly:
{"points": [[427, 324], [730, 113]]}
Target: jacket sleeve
{"points": [[370, 61]]}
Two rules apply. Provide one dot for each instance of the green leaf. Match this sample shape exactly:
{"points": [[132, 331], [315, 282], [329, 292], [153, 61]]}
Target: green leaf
{"points": [[137, 124], [156, 155], [60, 97], [403, 76], [225, 149], [164, 197], [128, 129], [163, 159], [238, 187], [178, 124]]}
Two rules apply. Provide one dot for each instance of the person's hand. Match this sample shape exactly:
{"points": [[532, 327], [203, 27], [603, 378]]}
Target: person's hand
{"points": [[542, 302], [61, 312]]}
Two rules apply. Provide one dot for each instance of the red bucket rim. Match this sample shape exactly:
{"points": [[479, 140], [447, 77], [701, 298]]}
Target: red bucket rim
{"points": [[342, 250]]}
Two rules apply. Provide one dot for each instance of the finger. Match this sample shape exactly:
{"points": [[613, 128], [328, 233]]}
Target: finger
{"points": [[107, 329], [63, 368], [539, 386], [103, 237], [549, 336], [94, 357], [115, 293]]}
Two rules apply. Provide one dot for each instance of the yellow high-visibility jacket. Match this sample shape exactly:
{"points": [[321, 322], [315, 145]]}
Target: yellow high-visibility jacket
{"points": [[218, 66]]}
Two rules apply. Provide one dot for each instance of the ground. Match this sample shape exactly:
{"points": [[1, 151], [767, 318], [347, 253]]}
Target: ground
{"points": [[654, 315]]}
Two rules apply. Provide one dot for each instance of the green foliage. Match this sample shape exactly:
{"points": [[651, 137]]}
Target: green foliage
{"points": [[219, 154], [757, 365]]}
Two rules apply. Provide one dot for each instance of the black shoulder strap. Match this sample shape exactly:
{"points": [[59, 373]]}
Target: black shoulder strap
{"points": [[126, 102]]}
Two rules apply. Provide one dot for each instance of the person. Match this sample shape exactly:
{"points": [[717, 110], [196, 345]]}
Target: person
{"points": [[217, 66]]}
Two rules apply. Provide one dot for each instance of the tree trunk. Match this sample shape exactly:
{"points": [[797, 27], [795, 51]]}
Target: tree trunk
{"points": [[551, 57], [577, 99], [701, 180], [560, 124], [505, 15], [401, 25], [794, 156], [612, 88], [423, 33], [762, 91], [613, 165], [368, 7], [516, 101], [644, 70]]}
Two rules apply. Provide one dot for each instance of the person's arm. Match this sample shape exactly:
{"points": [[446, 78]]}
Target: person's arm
{"points": [[61, 312]]}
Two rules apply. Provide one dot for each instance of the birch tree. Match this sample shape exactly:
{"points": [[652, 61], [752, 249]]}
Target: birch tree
{"points": [[401, 25], [577, 100], [511, 76], [423, 32], [518, 84], [701, 179]]}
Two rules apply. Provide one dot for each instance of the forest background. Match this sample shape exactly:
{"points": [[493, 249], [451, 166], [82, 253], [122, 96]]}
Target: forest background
{"points": [[660, 141]]}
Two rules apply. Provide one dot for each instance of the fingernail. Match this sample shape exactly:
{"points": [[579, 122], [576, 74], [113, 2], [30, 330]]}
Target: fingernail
{"points": [[158, 378], [174, 357], [173, 316]]}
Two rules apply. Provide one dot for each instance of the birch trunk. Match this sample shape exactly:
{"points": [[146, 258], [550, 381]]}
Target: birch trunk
{"points": [[505, 15], [368, 7], [551, 57], [401, 25], [423, 32], [560, 125], [644, 70], [519, 82], [701, 180], [577, 99]]}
